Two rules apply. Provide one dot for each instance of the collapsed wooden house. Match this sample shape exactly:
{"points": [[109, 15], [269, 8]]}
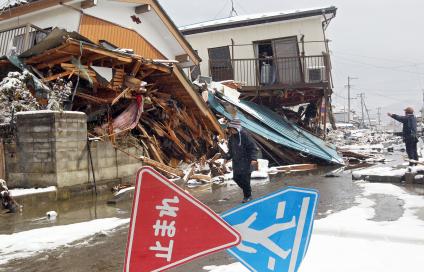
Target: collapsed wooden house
{"points": [[129, 86]]}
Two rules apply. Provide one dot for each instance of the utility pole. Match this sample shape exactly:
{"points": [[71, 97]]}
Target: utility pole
{"points": [[361, 95], [379, 117], [366, 109], [349, 78], [422, 116]]}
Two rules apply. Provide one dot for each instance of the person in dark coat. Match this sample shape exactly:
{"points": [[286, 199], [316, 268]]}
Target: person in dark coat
{"points": [[243, 150], [409, 132], [310, 113]]}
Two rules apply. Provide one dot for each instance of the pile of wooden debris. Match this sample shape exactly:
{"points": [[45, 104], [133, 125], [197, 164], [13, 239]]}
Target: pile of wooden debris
{"points": [[123, 95]]}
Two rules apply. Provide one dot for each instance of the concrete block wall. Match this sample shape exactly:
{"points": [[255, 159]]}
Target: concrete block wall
{"points": [[35, 163], [51, 149], [71, 149]]}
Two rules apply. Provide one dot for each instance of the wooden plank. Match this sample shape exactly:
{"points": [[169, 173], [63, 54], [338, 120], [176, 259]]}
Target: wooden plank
{"points": [[158, 67], [152, 148], [42, 57], [297, 167], [162, 166], [93, 99], [53, 62], [352, 154], [120, 96], [136, 68], [146, 74], [201, 177], [201, 105], [54, 77], [182, 58], [116, 56]]}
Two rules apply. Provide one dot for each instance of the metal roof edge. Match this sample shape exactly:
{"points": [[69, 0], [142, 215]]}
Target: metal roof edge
{"points": [[257, 21]]}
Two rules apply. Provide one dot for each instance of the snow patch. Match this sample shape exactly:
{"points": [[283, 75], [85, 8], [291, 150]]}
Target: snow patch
{"points": [[27, 243], [21, 192], [349, 241]]}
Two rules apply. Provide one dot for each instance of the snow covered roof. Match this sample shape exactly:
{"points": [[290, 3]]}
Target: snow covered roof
{"points": [[254, 19], [5, 4]]}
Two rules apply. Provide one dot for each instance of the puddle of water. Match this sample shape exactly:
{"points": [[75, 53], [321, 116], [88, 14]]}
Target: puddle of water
{"points": [[76, 210]]}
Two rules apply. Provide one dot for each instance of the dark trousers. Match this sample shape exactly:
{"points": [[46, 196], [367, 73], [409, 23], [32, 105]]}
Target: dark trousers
{"points": [[243, 181], [411, 150]]}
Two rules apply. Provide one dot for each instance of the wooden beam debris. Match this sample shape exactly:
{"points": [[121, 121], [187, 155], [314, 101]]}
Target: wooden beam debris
{"points": [[163, 167]]}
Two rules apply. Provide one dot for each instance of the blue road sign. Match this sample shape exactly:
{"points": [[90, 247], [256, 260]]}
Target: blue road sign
{"points": [[275, 229]]}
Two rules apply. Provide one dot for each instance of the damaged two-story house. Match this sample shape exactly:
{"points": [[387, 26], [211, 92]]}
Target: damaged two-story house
{"points": [[280, 59]]}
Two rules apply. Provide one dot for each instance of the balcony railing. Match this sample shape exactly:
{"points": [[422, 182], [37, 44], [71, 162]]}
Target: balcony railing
{"points": [[269, 72], [21, 38]]}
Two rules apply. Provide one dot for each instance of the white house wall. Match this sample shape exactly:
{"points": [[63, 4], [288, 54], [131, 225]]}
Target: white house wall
{"points": [[151, 27], [57, 16], [311, 28]]}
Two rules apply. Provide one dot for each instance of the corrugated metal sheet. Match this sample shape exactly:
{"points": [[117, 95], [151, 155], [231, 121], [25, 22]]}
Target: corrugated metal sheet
{"points": [[273, 127], [97, 29]]}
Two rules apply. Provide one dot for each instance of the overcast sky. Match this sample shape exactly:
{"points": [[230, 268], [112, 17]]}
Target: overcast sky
{"points": [[381, 42]]}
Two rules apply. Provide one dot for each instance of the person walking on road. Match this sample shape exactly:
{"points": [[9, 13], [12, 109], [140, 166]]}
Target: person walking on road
{"points": [[243, 150], [409, 132]]}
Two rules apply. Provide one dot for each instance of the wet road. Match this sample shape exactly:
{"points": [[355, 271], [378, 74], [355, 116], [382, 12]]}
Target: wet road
{"points": [[105, 252]]}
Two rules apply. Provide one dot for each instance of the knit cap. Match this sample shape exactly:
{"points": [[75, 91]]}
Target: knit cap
{"points": [[235, 123]]}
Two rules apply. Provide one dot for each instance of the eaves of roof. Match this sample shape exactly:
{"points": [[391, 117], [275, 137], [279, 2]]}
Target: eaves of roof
{"points": [[265, 19]]}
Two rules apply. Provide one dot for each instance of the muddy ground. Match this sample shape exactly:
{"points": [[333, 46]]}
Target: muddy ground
{"points": [[105, 252]]}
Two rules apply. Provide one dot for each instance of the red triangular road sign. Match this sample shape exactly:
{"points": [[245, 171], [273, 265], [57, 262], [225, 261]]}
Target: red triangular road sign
{"points": [[169, 227]]}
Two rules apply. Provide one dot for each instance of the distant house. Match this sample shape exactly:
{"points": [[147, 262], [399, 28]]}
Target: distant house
{"points": [[280, 58], [140, 25]]}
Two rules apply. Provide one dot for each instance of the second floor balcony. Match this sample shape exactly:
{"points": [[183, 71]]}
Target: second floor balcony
{"points": [[273, 73], [20, 38]]}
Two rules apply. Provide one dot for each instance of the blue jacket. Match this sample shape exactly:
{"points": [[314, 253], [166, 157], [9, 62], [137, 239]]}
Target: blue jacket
{"points": [[409, 125]]}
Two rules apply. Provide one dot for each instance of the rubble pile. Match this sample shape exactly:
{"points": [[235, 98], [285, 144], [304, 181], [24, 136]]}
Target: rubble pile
{"points": [[364, 144], [124, 96]]}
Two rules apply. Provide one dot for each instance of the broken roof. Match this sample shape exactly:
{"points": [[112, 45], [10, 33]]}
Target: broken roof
{"points": [[270, 125], [254, 19]]}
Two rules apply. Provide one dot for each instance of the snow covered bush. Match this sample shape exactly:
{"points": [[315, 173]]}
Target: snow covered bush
{"points": [[15, 96]]}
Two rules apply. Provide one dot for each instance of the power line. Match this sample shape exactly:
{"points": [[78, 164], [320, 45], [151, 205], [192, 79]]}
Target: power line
{"points": [[380, 94], [379, 58], [242, 8], [221, 10], [350, 61]]}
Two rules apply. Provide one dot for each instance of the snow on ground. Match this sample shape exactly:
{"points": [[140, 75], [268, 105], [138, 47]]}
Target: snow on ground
{"points": [[379, 171], [387, 171], [20, 192], [350, 241], [28, 243]]}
